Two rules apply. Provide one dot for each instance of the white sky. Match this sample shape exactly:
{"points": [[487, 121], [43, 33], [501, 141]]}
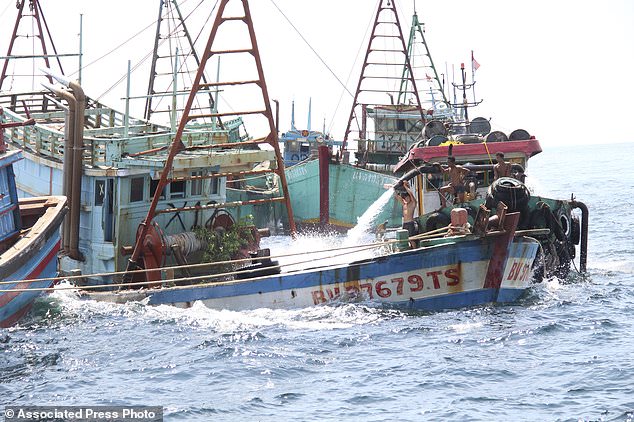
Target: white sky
{"points": [[559, 69]]}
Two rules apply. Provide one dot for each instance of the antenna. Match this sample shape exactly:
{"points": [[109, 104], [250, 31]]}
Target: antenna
{"points": [[310, 106]]}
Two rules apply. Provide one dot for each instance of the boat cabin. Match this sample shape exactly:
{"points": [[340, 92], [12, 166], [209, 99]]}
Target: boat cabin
{"points": [[478, 157]]}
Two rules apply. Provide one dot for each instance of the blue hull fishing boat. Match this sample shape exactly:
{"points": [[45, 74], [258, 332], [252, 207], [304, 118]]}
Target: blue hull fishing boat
{"points": [[441, 273], [29, 240]]}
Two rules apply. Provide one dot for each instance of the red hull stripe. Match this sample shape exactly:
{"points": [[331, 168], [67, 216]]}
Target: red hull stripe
{"points": [[9, 296]]}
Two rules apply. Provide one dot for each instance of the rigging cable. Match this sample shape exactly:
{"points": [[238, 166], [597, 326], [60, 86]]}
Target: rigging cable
{"points": [[312, 49], [367, 29]]}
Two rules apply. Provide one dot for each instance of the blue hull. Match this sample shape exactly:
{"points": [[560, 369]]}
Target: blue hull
{"points": [[453, 274], [42, 264]]}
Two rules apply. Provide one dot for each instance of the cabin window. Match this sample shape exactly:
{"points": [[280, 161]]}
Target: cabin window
{"points": [[136, 189], [100, 192], [153, 186], [215, 184], [400, 125], [197, 185], [177, 189]]}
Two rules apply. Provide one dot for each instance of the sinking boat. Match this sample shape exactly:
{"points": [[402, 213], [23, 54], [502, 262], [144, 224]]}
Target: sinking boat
{"points": [[29, 238], [448, 267], [441, 273]]}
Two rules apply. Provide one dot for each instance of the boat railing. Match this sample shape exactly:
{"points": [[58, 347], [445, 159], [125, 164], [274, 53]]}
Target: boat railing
{"points": [[106, 137], [396, 143]]}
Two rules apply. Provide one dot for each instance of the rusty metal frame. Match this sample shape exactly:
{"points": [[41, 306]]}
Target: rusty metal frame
{"points": [[177, 145], [390, 7], [165, 5], [38, 15]]}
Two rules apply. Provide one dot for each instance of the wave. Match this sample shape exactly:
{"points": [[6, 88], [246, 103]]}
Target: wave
{"points": [[67, 307]]}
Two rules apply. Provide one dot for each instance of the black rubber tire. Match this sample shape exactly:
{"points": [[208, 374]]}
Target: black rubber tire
{"points": [[575, 231], [512, 192], [436, 221]]}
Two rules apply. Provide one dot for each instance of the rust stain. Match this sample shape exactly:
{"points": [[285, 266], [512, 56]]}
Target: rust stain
{"points": [[458, 287]]}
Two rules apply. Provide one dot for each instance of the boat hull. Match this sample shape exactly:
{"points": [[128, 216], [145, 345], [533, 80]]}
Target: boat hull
{"points": [[351, 191], [453, 274], [34, 256]]}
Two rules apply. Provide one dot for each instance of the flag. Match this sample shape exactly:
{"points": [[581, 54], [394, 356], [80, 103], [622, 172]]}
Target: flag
{"points": [[474, 64]]}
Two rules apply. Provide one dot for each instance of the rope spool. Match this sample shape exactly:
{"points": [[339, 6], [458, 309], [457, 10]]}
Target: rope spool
{"points": [[187, 242]]}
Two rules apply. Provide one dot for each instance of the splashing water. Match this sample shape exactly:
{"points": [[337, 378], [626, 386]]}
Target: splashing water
{"points": [[316, 249], [364, 223]]}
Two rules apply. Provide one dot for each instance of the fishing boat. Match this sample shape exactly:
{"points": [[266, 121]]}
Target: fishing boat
{"points": [[563, 223], [392, 138], [383, 124], [109, 163], [303, 144], [29, 238], [473, 146], [438, 270], [441, 273], [452, 266]]}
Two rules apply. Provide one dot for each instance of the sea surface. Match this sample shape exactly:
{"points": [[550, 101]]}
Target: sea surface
{"points": [[564, 352]]}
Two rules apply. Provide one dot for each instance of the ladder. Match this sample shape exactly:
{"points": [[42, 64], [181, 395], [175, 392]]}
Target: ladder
{"points": [[243, 48]]}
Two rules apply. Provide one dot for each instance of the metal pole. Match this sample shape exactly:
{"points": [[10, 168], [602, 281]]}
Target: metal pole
{"points": [[126, 117], [81, 45], [324, 186]]}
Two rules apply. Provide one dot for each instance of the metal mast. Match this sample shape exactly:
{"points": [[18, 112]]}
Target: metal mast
{"points": [[386, 39], [417, 29], [213, 48], [174, 44], [43, 34]]}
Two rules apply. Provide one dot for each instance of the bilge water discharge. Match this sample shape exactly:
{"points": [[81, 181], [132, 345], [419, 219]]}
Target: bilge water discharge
{"points": [[367, 220]]}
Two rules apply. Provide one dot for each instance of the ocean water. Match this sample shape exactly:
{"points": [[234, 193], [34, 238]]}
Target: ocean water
{"points": [[564, 352]]}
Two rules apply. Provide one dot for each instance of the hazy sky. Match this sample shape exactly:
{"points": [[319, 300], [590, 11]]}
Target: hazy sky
{"points": [[559, 69]]}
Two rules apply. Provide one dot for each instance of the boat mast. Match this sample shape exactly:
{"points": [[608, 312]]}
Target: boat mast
{"points": [[198, 86], [417, 28], [42, 33], [386, 30], [170, 16], [464, 87]]}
